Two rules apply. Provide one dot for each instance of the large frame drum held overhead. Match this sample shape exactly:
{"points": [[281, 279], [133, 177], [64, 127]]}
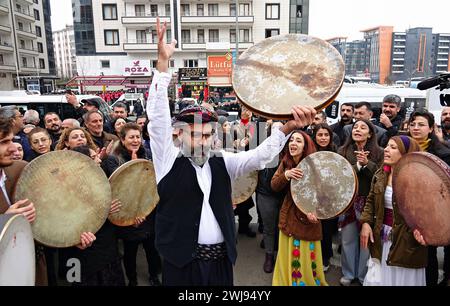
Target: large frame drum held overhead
{"points": [[71, 194], [288, 70], [421, 188], [134, 184], [328, 187], [17, 255]]}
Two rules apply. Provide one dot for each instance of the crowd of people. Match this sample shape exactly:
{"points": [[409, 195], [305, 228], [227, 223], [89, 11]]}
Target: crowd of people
{"points": [[190, 238]]}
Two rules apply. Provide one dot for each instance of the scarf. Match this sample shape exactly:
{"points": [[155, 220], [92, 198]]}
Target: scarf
{"points": [[424, 145]]}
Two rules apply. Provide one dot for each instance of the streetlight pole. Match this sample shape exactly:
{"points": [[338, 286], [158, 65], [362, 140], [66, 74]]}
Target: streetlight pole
{"points": [[237, 28]]}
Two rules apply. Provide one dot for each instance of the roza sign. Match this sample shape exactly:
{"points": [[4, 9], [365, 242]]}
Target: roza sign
{"points": [[136, 69]]}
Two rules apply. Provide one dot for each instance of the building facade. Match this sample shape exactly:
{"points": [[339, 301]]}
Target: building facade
{"points": [[26, 49], [124, 37], [64, 49]]}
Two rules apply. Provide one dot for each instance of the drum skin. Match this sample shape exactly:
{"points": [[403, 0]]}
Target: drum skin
{"points": [[328, 186], [421, 187], [71, 194], [243, 187], [134, 184], [17, 255], [285, 71]]}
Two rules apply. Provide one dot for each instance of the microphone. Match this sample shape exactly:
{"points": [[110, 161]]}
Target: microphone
{"points": [[433, 82]]}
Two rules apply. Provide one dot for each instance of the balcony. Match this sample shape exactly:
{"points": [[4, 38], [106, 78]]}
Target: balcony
{"points": [[24, 14], [28, 68], [29, 51], [133, 21], [4, 10], [7, 67], [6, 47], [193, 46], [26, 33], [139, 46], [5, 29], [216, 20]]}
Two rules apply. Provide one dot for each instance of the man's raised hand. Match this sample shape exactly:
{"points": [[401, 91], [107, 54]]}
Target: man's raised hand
{"points": [[165, 51]]}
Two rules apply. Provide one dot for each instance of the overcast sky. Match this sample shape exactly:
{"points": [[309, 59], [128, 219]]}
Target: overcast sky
{"points": [[330, 18]]}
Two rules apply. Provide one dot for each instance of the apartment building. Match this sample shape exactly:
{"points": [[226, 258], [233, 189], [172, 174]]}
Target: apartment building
{"points": [[119, 37], [64, 49], [26, 48]]}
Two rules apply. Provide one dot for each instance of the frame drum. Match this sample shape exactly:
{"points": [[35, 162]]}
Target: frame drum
{"points": [[283, 71], [328, 187], [134, 184], [421, 187], [17, 257], [71, 194], [243, 187]]}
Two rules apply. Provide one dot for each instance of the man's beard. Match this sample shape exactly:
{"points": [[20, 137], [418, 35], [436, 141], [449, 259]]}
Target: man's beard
{"points": [[446, 125], [197, 157], [346, 119]]}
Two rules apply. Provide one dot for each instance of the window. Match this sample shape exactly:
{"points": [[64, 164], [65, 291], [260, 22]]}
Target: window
{"points": [[105, 64], [153, 64], [191, 63], [167, 9], [139, 10], [36, 15], [154, 37], [141, 37], [299, 12], [38, 31], [272, 32], [200, 10], [201, 36], [185, 10], [24, 62], [232, 35], [111, 37], [22, 44], [172, 63], [41, 63], [244, 9], [273, 11], [244, 35], [213, 35], [154, 10], [109, 11], [185, 36], [1, 59], [40, 47], [213, 9], [233, 9], [20, 24], [169, 36]]}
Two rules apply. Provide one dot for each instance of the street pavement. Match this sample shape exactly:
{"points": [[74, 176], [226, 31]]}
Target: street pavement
{"points": [[248, 270]]}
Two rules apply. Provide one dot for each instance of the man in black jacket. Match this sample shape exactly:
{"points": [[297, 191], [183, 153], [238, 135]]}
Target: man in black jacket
{"points": [[390, 119], [347, 111]]}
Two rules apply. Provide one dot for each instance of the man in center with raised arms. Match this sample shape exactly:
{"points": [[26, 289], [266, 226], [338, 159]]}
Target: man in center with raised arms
{"points": [[195, 226]]}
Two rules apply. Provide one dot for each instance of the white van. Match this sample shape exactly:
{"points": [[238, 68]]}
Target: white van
{"points": [[51, 103], [374, 94]]}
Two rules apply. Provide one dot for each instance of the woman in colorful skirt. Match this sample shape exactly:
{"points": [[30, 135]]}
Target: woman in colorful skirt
{"points": [[299, 260]]}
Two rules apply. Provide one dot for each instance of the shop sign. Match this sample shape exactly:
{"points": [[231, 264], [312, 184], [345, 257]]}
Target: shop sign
{"points": [[220, 65], [138, 68], [192, 74]]}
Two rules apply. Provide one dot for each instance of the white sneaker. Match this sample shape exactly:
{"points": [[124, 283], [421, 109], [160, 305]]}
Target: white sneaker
{"points": [[345, 281]]}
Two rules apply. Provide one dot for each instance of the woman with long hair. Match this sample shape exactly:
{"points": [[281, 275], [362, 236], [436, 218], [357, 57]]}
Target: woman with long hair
{"points": [[385, 232], [362, 151], [323, 139], [299, 260]]}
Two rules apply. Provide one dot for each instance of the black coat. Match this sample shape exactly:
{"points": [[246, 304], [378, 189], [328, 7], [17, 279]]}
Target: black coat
{"points": [[119, 157]]}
